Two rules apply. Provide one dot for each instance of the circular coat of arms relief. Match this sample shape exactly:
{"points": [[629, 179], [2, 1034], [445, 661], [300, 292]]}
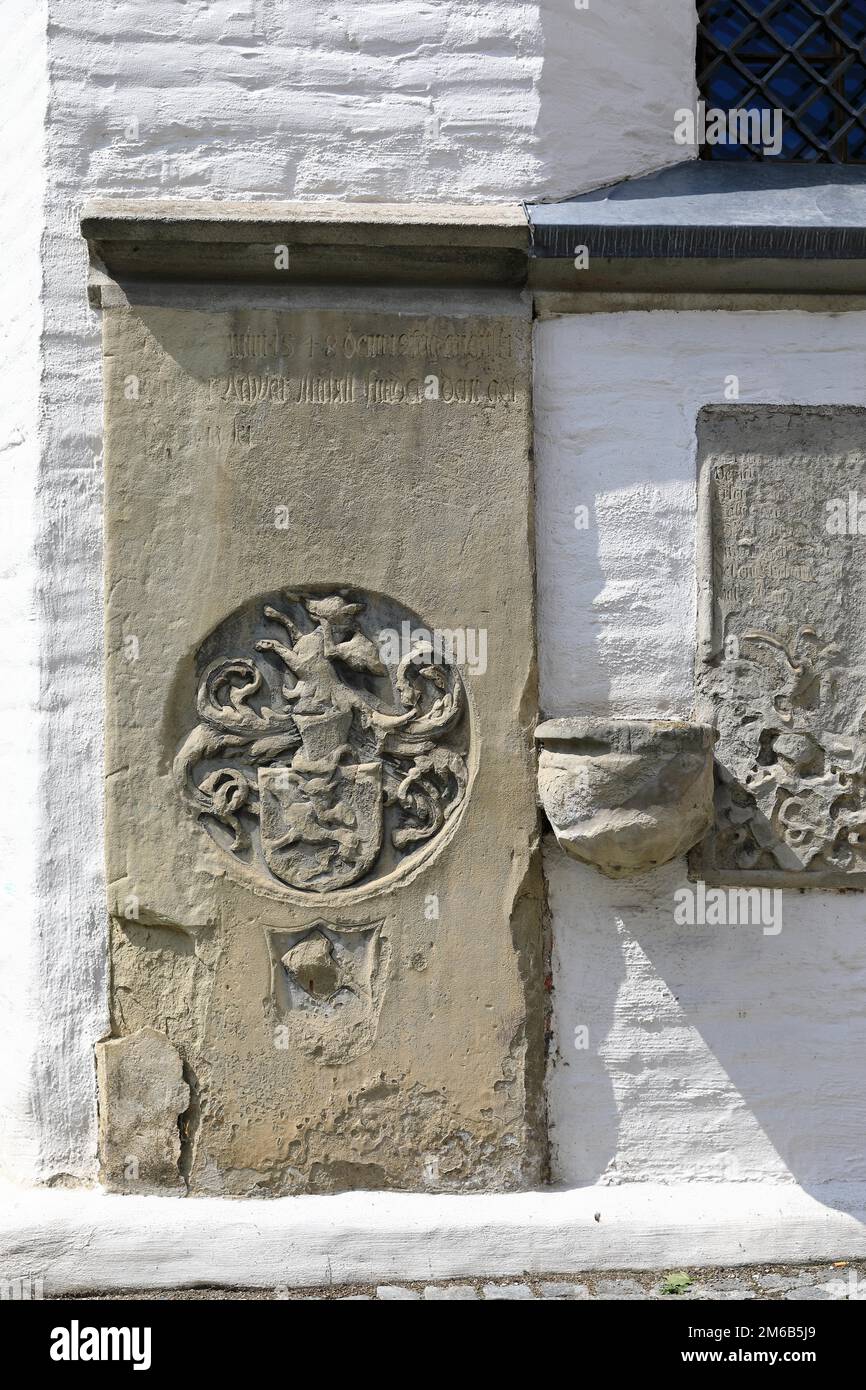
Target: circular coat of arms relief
{"points": [[332, 739]]}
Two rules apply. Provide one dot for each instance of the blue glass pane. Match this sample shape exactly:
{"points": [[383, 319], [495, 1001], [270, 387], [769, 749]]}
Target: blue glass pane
{"points": [[806, 58]]}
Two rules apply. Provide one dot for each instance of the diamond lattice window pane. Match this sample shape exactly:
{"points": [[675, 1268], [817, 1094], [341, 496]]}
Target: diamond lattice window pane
{"points": [[805, 58]]}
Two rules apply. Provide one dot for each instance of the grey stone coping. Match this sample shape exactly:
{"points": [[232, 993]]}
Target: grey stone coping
{"points": [[697, 228], [706, 209]]}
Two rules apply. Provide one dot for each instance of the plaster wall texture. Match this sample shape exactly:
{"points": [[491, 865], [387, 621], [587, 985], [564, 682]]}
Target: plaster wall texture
{"points": [[22, 156], [713, 1053], [387, 101], [105, 1242], [455, 100]]}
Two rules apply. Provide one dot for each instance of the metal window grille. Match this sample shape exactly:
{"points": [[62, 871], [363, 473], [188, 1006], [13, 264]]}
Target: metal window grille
{"points": [[805, 58]]}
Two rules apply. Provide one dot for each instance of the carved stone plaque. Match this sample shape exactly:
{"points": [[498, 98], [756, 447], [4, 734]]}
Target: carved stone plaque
{"points": [[320, 816], [782, 643], [326, 751]]}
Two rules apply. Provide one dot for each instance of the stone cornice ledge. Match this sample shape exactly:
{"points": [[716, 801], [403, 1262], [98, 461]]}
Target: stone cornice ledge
{"points": [[339, 243]]}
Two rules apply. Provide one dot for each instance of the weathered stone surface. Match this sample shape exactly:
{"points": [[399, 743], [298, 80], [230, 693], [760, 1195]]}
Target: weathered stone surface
{"points": [[725, 1293], [782, 643], [142, 1095], [562, 1291], [518, 1293], [812, 1294], [625, 794], [321, 821], [450, 1293], [621, 1288], [402, 243]]}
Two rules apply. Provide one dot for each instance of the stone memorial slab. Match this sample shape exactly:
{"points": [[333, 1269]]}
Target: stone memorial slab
{"points": [[782, 643], [321, 822]]}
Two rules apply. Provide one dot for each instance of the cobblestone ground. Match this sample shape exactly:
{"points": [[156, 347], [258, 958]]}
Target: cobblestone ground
{"points": [[841, 1281]]}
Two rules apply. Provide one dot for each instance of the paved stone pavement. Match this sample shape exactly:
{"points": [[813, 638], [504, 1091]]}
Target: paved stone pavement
{"points": [[844, 1280]]}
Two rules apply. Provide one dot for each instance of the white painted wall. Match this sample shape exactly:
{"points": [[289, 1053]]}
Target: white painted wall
{"points": [[22, 161], [369, 99], [714, 1053]]}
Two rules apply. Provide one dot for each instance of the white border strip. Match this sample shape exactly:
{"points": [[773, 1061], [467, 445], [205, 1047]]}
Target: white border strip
{"points": [[82, 1241]]}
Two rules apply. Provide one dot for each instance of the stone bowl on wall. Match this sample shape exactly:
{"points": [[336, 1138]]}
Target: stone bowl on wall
{"points": [[626, 794]]}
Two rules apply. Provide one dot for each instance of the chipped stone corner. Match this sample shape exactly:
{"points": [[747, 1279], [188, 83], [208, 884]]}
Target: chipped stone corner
{"points": [[143, 1098]]}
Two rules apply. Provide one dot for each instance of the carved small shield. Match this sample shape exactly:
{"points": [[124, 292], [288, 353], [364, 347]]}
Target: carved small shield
{"points": [[321, 831]]}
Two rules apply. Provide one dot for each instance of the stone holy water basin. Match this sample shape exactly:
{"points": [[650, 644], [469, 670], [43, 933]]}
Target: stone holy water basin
{"points": [[626, 795]]}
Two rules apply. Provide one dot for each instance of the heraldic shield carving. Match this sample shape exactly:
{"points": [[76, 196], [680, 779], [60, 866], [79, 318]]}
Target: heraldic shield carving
{"points": [[332, 738]]}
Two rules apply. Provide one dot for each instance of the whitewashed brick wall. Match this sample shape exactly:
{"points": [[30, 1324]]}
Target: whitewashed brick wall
{"points": [[713, 1053]]}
